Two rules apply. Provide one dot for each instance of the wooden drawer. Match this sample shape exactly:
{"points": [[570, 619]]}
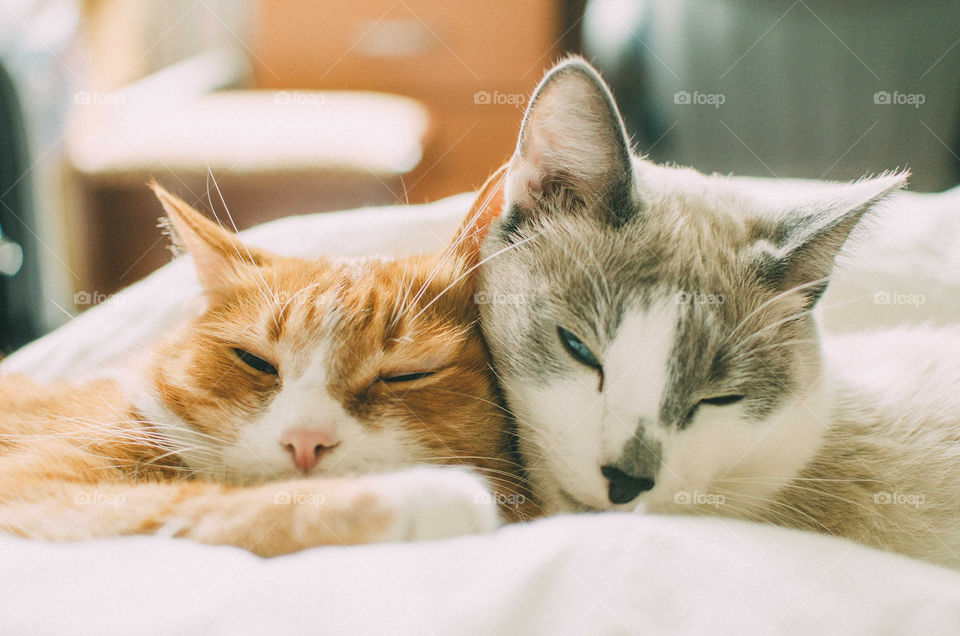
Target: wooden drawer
{"points": [[473, 64], [418, 47]]}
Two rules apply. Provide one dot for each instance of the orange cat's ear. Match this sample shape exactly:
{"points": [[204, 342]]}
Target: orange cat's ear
{"points": [[217, 254], [487, 207]]}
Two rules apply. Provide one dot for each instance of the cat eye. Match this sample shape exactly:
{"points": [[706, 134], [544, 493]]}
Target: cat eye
{"points": [[406, 377], [577, 350], [722, 400], [255, 362]]}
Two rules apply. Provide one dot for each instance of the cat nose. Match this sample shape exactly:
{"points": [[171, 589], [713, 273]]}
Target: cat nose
{"points": [[624, 488], [306, 446]]}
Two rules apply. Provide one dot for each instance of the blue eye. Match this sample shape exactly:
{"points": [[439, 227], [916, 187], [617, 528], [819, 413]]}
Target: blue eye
{"points": [[577, 350]]}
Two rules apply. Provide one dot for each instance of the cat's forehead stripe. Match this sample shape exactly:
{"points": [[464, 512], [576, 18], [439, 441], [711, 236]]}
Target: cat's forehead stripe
{"points": [[277, 323], [638, 359]]}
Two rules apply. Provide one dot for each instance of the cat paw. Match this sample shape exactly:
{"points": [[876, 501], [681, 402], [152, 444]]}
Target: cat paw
{"points": [[437, 503]]}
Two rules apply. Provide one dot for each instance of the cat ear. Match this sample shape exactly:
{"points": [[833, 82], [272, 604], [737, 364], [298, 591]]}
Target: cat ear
{"points": [[486, 207], [808, 239], [573, 147], [217, 254]]}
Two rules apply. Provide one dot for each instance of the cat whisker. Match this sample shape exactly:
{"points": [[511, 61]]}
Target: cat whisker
{"points": [[475, 397], [472, 269], [508, 475], [249, 261], [773, 502]]}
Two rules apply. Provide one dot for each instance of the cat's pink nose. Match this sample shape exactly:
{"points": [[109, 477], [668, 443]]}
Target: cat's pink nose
{"points": [[306, 446]]}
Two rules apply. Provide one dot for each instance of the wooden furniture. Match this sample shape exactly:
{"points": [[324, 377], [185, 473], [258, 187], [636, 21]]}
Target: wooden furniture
{"points": [[470, 68], [473, 64], [271, 154]]}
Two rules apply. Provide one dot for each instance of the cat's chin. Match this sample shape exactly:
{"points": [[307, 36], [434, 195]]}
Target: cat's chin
{"points": [[555, 499], [568, 503], [564, 502]]}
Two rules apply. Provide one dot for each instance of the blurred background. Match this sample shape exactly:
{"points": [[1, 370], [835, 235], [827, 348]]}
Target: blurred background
{"points": [[280, 107]]}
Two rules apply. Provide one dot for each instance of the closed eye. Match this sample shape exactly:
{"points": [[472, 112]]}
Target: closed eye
{"points": [[406, 377], [577, 350], [255, 362], [722, 400]]}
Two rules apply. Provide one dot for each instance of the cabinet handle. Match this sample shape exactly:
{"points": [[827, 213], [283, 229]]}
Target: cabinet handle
{"points": [[393, 39]]}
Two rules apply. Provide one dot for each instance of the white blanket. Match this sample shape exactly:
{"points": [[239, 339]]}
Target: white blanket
{"points": [[590, 574], [601, 574]]}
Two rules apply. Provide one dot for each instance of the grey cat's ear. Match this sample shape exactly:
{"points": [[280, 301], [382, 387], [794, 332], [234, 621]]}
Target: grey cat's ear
{"points": [[807, 240], [572, 145]]}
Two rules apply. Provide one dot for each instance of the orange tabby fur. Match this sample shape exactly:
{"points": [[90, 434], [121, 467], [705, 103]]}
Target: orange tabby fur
{"points": [[84, 461]]}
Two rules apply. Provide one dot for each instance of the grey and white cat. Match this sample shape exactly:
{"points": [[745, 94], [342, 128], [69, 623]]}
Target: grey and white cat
{"points": [[663, 355]]}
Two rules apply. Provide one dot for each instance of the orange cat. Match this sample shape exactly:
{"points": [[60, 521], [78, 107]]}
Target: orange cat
{"points": [[248, 426]]}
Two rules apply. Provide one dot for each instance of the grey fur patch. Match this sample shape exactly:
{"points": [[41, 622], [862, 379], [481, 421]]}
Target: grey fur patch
{"points": [[641, 456]]}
